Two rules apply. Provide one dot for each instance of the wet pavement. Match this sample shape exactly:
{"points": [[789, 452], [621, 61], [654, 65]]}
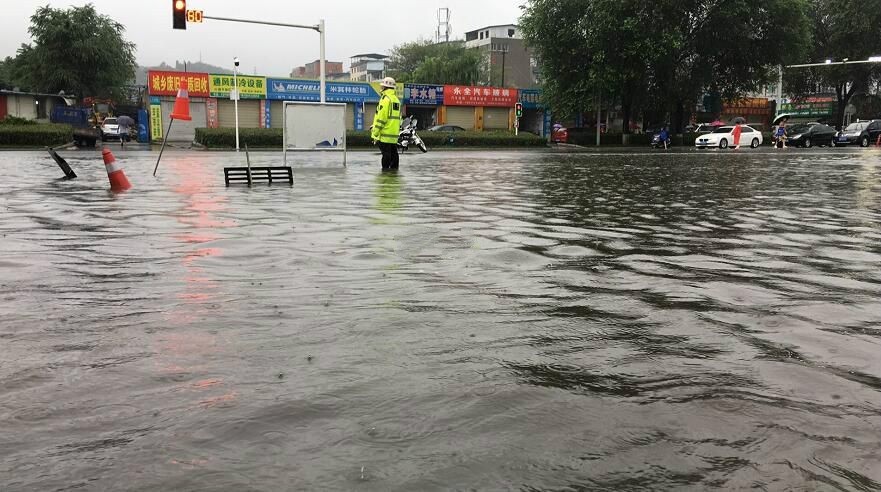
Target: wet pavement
{"points": [[479, 320]]}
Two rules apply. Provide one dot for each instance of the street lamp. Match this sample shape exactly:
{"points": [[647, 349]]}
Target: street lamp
{"points": [[827, 62], [235, 96]]}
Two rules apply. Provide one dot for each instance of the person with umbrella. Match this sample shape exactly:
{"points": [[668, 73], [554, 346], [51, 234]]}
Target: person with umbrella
{"points": [[737, 131], [125, 124], [780, 131]]}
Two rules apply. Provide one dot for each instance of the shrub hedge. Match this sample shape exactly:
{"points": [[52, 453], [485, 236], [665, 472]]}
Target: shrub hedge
{"points": [[15, 120], [35, 135], [225, 138]]}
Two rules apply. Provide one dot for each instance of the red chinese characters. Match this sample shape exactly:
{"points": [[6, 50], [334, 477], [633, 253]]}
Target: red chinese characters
{"points": [[461, 95], [161, 83]]}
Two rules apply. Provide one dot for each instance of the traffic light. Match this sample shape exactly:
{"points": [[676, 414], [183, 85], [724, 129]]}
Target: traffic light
{"points": [[179, 14], [518, 110]]}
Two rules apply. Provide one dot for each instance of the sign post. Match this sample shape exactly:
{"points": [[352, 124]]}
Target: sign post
{"points": [[518, 113]]}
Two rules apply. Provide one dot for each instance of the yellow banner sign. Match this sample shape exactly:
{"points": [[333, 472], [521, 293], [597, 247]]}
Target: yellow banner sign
{"points": [[249, 87], [155, 122]]}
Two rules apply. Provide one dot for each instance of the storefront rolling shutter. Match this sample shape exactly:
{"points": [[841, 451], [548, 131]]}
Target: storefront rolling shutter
{"points": [[495, 118], [249, 113], [350, 116], [369, 113], [461, 116], [182, 130], [276, 113]]}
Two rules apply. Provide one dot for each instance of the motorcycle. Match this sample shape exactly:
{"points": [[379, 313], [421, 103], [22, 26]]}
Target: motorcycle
{"points": [[657, 143], [408, 135]]}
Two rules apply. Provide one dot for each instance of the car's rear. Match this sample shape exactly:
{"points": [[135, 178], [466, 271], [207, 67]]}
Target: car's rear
{"points": [[560, 135], [110, 129]]}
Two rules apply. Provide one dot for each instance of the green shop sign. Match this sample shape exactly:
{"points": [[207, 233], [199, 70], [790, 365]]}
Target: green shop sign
{"points": [[809, 109]]}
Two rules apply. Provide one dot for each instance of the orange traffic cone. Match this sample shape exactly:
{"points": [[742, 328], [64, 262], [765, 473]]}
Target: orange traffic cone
{"points": [[118, 181], [182, 103]]}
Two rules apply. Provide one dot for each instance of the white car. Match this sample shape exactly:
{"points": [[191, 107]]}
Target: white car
{"points": [[723, 137], [110, 129]]}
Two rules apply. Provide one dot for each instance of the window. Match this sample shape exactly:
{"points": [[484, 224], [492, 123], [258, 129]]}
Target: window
{"points": [[510, 33], [481, 35]]}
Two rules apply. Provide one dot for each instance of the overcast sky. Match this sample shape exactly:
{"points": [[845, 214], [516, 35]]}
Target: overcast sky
{"points": [[352, 27]]}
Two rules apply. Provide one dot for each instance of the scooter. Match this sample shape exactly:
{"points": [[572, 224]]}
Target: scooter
{"points": [[408, 135], [657, 143]]}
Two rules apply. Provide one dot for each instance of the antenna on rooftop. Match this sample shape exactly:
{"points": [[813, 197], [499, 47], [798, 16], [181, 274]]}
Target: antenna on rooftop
{"points": [[444, 28]]}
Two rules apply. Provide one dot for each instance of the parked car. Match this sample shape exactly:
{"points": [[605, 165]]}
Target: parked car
{"points": [[863, 133], [808, 135], [560, 134], [446, 128], [705, 128], [722, 137], [110, 129]]}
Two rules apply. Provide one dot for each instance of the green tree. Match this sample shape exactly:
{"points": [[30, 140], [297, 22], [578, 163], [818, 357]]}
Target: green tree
{"points": [[841, 29], [662, 55], [438, 63], [75, 50], [5, 75]]}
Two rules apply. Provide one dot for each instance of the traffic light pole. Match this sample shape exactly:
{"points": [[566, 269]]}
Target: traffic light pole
{"points": [[318, 28]]}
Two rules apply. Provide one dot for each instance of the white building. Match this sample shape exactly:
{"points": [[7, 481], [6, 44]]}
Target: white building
{"points": [[368, 67]]}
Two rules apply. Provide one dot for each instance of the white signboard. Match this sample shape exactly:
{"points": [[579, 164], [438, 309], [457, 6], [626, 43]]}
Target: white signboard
{"points": [[314, 127]]}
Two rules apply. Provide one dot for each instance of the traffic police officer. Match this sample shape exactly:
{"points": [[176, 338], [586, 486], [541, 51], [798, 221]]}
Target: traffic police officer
{"points": [[387, 124]]}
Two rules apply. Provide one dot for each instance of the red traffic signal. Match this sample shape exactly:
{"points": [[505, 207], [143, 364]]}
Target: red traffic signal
{"points": [[179, 14]]}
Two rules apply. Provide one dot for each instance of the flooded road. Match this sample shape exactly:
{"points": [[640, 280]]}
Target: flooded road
{"points": [[487, 321]]}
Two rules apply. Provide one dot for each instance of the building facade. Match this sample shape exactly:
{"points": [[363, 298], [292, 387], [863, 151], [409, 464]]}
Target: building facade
{"points": [[29, 105], [261, 103], [313, 70], [368, 67], [508, 62]]}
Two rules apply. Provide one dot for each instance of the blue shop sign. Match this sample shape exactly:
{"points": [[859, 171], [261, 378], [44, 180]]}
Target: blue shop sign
{"points": [[531, 98], [309, 90], [423, 95]]}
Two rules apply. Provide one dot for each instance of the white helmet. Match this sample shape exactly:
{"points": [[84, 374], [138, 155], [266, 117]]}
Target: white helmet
{"points": [[388, 83]]}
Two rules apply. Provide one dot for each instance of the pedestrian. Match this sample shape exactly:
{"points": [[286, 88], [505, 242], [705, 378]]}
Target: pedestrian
{"points": [[780, 135], [664, 137], [736, 134], [124, 123], [387, 125]]}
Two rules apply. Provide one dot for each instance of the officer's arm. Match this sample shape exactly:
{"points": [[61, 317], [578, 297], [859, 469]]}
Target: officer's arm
{"points": [[381, 117]]}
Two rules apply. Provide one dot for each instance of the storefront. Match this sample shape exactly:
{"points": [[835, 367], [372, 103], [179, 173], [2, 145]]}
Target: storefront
{"points": [[252, 90], [422, 102], [162, 88], [535, 118], [479, 108], [360, 99]]}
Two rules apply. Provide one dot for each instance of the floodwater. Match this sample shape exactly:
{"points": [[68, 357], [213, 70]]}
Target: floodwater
{"points": [[486, 321]]}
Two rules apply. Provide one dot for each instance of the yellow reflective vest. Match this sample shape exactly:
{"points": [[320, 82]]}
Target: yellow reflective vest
{"points": [[387, 121]]}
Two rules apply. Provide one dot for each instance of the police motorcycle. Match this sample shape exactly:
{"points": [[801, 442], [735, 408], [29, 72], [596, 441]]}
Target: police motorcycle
{"points": [[408, 136]]}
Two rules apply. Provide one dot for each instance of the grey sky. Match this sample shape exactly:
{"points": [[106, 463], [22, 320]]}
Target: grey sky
{"points": [[353, 27]]}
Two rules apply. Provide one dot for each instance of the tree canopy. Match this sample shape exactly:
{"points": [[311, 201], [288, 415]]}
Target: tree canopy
{"points": [[441, 63], [76, 50], [661, 55], [842, 29]]}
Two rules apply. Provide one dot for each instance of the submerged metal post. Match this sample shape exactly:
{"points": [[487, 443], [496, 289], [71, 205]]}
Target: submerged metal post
{"points": [[161, 150]]}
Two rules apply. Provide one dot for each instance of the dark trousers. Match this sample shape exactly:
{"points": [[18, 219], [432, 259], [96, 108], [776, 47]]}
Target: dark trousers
{"points": [[389, 155]]}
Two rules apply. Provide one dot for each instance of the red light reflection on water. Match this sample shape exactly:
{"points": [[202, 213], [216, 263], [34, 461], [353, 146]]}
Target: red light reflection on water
{"points": [[191, 351]]}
